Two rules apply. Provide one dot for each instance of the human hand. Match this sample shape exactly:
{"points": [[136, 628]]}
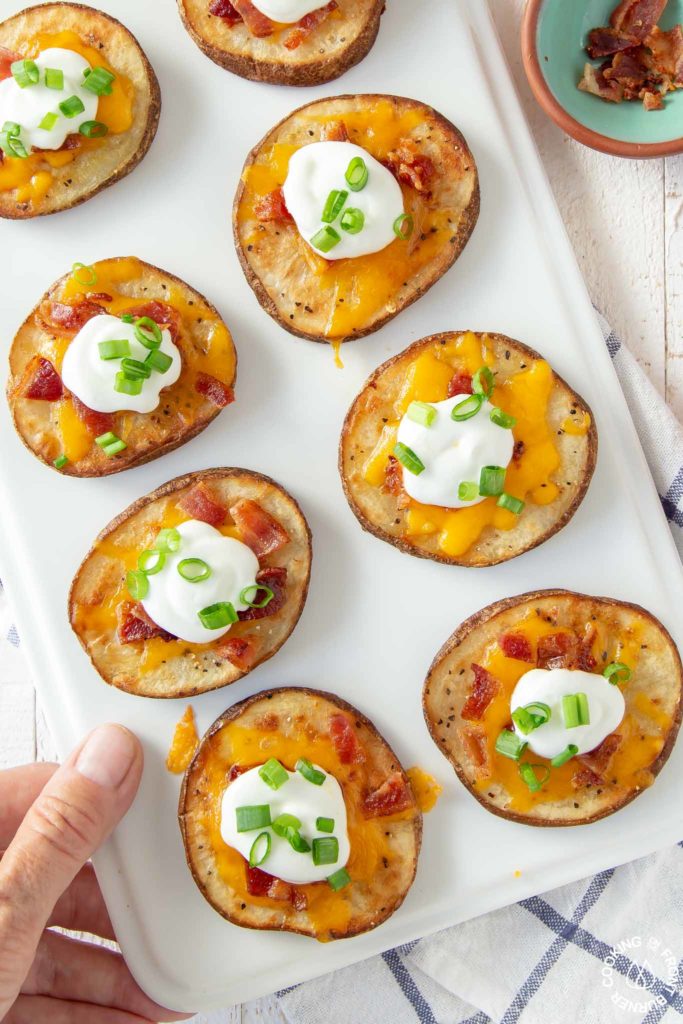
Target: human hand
{"points": [[51, 821]]}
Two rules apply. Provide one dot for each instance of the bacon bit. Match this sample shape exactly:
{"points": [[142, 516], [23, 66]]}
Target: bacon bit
{"points": [[99, 297], [653, 101], [213, 389], [309, 23], [391, 797], [518, 451], [40, 381], [345, 740], [235, 771], [335, 131], [7, 58], [474, 741], [557, 650], [585, 660], [459, 384], [225, 10], [483, 690], [410, 166], [667, 50], [585, 777], [393, 482], [162, 313], [596, 84], [514, 645], [273, 207], [628, 70], [299, 900], [603, 42], [257, 23], [67, 318], [259, 529], [135, 624], [239, 650], [600, 758], [637, 17], [200, 503], [276, 578], [260, 883], [98, 423]]}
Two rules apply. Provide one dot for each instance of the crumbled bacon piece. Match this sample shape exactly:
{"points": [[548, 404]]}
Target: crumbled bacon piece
{"points": [[259, 529], [629, 71], [98, 423], [260, 883], [235, 771], [484, 688], [585, 777], [162, 313], [213, 389], [594, 82], [600, 758], [135, 624], [459, 384], [345, 740], [393, 482], [200, 503], [335, 131], [557, 650], [518, 451], [515, 645], [273, 207], [392, 796], [256, 22], [274, 577], [667, 51], [637, 17], [225, 10], [653, 100], [474, 741], [603, 42], [67, 318], [410, 166], [40, 381], [240, 651], [299, 899], [309, 23]]}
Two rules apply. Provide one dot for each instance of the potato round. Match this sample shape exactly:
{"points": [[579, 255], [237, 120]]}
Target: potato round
{"points": [[345, 299], [587, 787], [341, 41], [368, 429], [384, 849], [95, 165], [182, 413], [161, 667]]}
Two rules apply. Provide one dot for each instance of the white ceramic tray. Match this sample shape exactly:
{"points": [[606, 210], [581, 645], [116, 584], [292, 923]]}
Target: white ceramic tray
{"points": [[359, 635]]}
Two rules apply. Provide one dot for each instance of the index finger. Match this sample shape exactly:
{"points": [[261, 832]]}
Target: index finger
{"points": [[19, 788]]}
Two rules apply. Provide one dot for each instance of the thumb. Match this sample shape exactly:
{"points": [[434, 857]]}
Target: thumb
{"points": [[74, 814]]}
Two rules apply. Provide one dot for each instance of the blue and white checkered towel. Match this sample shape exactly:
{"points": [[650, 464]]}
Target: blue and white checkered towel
{"points": [[607, 950]]}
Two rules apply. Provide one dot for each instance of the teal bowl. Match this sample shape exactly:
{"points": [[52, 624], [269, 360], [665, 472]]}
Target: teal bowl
{"points": [[554, 35]]}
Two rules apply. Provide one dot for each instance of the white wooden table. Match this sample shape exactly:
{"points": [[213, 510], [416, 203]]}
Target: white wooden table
{"points": [[625, 221]]}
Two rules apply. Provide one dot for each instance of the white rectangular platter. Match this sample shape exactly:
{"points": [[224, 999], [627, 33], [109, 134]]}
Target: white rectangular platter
{"points": [[359, 635]]}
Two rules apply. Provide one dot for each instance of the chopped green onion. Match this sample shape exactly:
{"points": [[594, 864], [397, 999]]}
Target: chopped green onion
{"points": [[127, 318], [260, 850], [11, 128], [482, 382], [570, 711], [616, 672], [84, 274], [297, 841], [523, 720], [268, 596], [528, 773], [104, 439], [114, 349], [147, 332], [511, 503], [54, 78], [194, 570], [509, 745], [137, 584], [114, 448], [151, 562], [334, 205], [158, 360], [283, 822], [565, 755], [584, 712], [357, 174], [407, 457], [49, 121], [72, 106], [273, 773], [352, 221], [324, 824], [93, 129], [215, 616], [309, 771], [468, 491], [125, 386], [168, 539], [13, 146], [60, 462], [135, 369], [491, 481], [502, 419], [25, 72], [403, 226], [422, 413], [531, 716], [339, 879], [326, 239], [466, 409], [98, 80], [325, 850], [248, 819]]}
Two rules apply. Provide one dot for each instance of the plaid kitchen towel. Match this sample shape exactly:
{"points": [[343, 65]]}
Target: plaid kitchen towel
{"points": [[606, 950]]}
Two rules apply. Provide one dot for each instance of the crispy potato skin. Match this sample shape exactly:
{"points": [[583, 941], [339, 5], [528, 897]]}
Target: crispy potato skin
{"points": [[344, 41], [34, 420], [95, 169], [378, 512], [280, 255], [190, 672], [660, 674], [372, 905]]}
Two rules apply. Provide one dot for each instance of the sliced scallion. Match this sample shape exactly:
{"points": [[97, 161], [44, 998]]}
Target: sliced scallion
{"points": [[13, 146], [584, 711], [159, 360], [260, 850], [617, 672], [334, 205], [11, 128], [98, 80], [54, 78], [60, 462], [324, 824], [284, 822], [49, 121], [422, 413], [325, 850], [84, 274], [468, 490], [509, 745], [25, 73], [339, 879], [352, 220], [168, 539], [114, 448], [491, 481], [147, 332], [466, 409], [357, 174], [125, 386], [512, 504], [152, 561], [407, 457], [482, 382], [570, 711], [571, 750], [194, 570], [273, 773], [216, 616], [309, 771], [249, 818], [115, 349], [502, 419], [135, 369], [529, 775], [137, 584], [403, 226], [253, 602], [93, 129], [72, 107], [104, 439], [325, 239]]}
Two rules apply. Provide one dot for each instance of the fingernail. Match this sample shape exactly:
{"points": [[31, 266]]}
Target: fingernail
{"points": [[107, 756]]}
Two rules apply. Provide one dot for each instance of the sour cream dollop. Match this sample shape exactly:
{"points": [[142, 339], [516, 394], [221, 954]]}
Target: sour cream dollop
{"points": [[27, 107], [320, 168], [453, 452], [605, 704], [286, 11], [92, 378], [174, 603], [305, 801]]}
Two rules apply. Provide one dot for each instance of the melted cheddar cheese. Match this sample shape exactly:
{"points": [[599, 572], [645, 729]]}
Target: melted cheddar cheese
{"points": [[32, 177], [184, 744], [426, 789]]}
